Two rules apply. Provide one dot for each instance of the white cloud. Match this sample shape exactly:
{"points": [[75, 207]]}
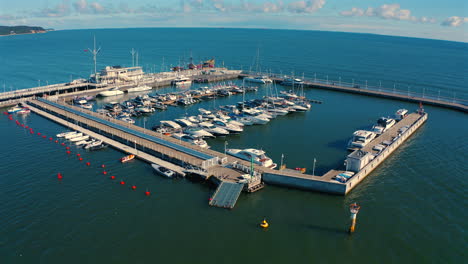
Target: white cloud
{"points": [[387, 11], [81, 6], [454, 21], [309, 6]]}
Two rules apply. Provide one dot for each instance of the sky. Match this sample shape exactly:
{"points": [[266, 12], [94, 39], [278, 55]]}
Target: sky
{"points": [[446, 20]]}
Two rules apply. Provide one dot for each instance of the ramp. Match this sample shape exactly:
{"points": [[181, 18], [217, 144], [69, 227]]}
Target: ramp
{"points": [[226, 195]]}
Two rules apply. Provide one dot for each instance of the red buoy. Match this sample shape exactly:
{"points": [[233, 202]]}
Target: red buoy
{"points": [[67, 148], [56, 141], [80, 159], [104, 172], [63, 144], [59, 176], [50, 139], [122, 182], [68, 152], [39, 133], [103, 166], [44, 136], [133, 187], [78, 154], [112, 177], [26, 127], [5, 113], [147, 193], [88, 163]]}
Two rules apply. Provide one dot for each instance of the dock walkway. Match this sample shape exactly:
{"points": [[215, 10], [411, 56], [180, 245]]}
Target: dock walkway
{"points": [[138, 153], [226, 194]]}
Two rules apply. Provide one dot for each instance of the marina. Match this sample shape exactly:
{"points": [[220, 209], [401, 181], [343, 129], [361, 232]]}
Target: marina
{"points": [[416, 188], [189, 158]]}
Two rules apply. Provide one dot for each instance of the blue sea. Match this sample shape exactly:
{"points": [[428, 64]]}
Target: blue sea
{"points": [[413, 207]]}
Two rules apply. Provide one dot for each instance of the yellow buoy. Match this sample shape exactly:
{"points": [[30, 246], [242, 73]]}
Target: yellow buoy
{"points": [[264, 224]]}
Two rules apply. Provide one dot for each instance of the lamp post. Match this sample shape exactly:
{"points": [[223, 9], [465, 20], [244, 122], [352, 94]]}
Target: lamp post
{"points": [[313, 169], [225, 148]]}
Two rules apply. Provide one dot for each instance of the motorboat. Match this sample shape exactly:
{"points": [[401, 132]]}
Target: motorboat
{"points": [[195, 119], [171, 124], [181, 81], [206, 113], [255, 155], [111, 92], [227, 126], [360, 139], [60, 135], [144, 109], [299, 108], [127, 158], [197, 141], [163, 171], [184, 122], [83, 142], [85, 106], [383, 124], [258, 79], [23, 111], [94, 145], [245, 120], [198, 132], [76, 139], [73, 135], [127, 119], [400, 114], [140, 88], [15, 109], [292, 82], [217, 131]]}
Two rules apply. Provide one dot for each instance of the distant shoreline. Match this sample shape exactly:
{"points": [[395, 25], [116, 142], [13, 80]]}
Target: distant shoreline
{"points": [[21, 30], [23, 34]]}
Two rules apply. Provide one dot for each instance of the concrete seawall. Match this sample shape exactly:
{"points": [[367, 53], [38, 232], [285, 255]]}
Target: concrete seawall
{"points": [[365, 171]]}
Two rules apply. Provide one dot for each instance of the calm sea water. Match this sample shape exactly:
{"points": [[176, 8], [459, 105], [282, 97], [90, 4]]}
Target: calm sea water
{"points": [[413, 206]]}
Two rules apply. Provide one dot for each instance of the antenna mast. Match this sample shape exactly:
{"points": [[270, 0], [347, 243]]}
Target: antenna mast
{"points": [[95, 53], [133, 56]]}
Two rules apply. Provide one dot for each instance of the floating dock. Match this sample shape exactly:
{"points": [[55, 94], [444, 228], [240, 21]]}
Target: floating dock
{"points": [[226, 194]]}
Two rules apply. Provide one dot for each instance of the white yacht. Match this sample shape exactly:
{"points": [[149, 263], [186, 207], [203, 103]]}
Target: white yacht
{"points": [[360, 139], [217, 131], [400, 114], [73, 135], [383, 124], [198, 132], [184, 122], [245, 120], [140, 88], [170, 124], [206, 113], [60, 135], [127, 119], [258, 79], [163, 171], [291, 82], [255, 155], [111, 92], [181, 81], [228, 126], [76, 139], [197, 141]]}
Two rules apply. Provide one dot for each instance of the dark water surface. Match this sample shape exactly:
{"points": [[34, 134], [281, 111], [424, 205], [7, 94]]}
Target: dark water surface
{"points": [[413, 205]]}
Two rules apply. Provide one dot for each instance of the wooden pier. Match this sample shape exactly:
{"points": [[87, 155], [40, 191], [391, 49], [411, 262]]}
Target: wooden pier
{"points": [[383, 93]]}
